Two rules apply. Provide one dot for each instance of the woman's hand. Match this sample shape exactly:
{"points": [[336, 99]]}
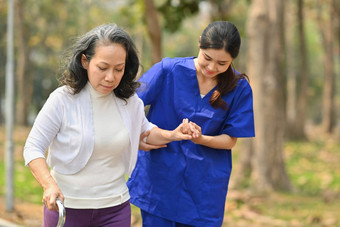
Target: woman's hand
{"points": [[159, 137], [51, 193], [196, 132], [51, 190], [185, 131], [143, 145], [190, 128]]}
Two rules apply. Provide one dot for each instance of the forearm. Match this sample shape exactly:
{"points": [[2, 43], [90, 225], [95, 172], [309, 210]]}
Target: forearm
{"points": [[41, 173], [218, 142], [159, 136]]}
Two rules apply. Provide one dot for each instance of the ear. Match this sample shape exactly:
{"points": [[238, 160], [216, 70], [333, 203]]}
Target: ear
{"points": [[199, 42], [84, 62]]}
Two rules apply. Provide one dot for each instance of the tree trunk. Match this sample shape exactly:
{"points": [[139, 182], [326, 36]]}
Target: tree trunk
{"points": [[337, 31], [291, 95], [241, 172], [220, 9], [22, 58], [265, 60], [1, 115], [328, 106], [153, 30], [3, 38], [303, 77]]}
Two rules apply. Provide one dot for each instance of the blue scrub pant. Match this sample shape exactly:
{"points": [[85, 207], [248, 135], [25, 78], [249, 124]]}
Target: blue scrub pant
{"points": [[150, 220]]}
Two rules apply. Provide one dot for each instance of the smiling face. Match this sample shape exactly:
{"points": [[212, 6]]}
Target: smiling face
{"points": [[212, 62], [106, 68]]}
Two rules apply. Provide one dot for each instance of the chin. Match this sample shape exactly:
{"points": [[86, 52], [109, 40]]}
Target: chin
{"points": [[105, 92]]}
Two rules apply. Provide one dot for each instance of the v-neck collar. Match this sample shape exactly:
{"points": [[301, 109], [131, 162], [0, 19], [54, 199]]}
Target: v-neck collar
{"points": [[193, 67]]}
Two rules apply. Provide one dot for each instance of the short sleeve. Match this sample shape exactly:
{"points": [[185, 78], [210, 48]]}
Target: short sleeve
{"points": [[151, 83], [146, 125], [240, 121]]}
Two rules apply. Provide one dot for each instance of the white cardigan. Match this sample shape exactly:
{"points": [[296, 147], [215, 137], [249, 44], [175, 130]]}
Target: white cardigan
{"points": [[65, 126]]}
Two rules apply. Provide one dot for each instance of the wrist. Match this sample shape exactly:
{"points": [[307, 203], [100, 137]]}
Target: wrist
{"points": [[198, 140], [167, 135], [49, 183]]}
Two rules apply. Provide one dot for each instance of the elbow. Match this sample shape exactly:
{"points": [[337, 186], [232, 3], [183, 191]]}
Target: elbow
{"points": [[232, 143]]}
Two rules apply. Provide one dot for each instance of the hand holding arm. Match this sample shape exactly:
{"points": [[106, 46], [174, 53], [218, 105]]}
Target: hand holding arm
{"points": [[143, 145], [161, 136], [41, 173]]}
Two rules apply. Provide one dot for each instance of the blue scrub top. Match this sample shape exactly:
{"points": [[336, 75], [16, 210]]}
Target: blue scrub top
{"points": [[185, 182]]}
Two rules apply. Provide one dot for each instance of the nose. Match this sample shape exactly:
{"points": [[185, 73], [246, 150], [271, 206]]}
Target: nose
{"points": [[110, 76], [212, 66]]}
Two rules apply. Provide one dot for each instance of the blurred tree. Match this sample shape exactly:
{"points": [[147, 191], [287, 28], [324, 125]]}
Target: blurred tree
{"points": [[174, 12], [221, 9], [337, 13], [154, 30], [265, 64], [297, 69], [337, 34], [3, 42], [326, 16], [132, 16], [24, 77], [298, 131], [40, 40], [291, 97]]}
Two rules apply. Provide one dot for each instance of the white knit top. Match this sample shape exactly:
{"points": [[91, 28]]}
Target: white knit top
{"points": [[101, 183]]}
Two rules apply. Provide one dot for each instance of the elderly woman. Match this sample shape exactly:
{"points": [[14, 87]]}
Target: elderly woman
{"points": [[92, 126]]}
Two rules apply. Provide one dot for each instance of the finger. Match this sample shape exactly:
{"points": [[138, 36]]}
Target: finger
{"points": [[186, 137], [187, 127], [195, 125], [198, 128], [184, 128], [45, 201], [146, 133], [61, 197], [52, 204], [153, 147], [196, 133], [192, 127]]}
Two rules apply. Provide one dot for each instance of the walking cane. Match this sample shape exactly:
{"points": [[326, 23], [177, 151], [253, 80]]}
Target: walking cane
{"points": [[62, 213]]}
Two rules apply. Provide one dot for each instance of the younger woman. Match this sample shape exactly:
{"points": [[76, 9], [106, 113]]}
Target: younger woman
{"points": [[186, 183]]}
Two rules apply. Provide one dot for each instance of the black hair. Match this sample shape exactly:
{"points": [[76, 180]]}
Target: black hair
{"points": [[223, 35]]}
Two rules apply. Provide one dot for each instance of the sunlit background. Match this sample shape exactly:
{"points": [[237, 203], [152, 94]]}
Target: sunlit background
{"points": [[297, 104]]}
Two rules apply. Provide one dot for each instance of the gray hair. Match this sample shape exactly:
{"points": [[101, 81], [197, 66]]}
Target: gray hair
{"points": [[76, 76]]}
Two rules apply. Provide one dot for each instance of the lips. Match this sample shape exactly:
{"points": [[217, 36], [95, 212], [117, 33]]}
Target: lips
{"points": [[107, 87], [209, 72]]}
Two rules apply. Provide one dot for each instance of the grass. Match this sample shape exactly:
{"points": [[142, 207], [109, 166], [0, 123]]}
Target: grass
{"points": [[314, 171], [313, 167]]}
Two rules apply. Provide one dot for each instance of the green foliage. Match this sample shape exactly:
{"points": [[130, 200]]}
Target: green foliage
{"points": [[31, 192], [26, 188], [175, 13], [313, 167], [2, 178]]}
